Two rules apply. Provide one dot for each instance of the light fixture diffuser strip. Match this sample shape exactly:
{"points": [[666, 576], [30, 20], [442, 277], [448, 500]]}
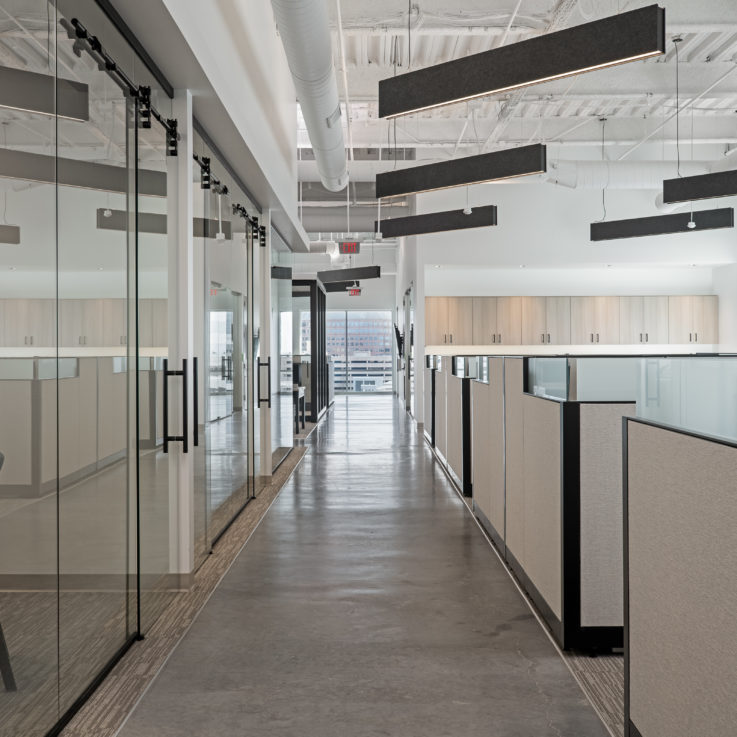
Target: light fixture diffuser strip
{"points": [[494, 166], [10, 234], [437, 222], [354, 274], [44, 94], [32, 167], [663, 224], [618, 39], [701, 187]]}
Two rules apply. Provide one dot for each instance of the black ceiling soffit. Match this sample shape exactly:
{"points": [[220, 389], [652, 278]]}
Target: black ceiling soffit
{"points": [[663, 224], [630, 36], [506, 164], [701, 187], [359, 272], [341, 286], [437, 222]]}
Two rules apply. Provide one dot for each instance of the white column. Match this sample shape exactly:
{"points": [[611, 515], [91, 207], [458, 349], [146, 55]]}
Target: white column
{"points": [[181, 325], [264, 277]]}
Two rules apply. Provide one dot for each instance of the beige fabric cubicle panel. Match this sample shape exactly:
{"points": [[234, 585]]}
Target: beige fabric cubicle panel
{"points": [[515, 462], [542, 508], [682, 516], [601, 513], [441, 379], [454, 424], [487, 450]]}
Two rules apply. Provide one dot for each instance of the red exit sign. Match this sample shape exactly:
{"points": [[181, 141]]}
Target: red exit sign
{"points": [[356, 292], [349, 248]]}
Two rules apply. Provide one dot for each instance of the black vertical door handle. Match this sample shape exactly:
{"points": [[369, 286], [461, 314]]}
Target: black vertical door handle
{"points": [[185, 406], [195, 403]]}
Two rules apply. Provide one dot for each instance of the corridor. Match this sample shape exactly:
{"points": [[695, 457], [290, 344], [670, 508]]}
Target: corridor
{"points": [[367, 602]]}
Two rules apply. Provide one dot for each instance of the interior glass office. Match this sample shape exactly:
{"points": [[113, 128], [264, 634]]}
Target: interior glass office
{"points": [[226, 342]]}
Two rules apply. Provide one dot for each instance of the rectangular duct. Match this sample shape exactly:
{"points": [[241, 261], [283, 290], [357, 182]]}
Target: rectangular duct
{"points": [[359, 272], [437, 222], [10, 234], [497, 165], [31, 167], [701, 187], [663, 224], [637, 34], [32, 92]]}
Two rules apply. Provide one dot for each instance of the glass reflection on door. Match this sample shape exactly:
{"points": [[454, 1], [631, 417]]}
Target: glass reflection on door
{"points": [[220, 371]]}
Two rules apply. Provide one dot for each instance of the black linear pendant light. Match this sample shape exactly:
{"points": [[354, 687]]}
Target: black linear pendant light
{"points": [[494, 166], [344, 275], [637, 34], [437, 222], [679, 222], [701, 187], [10, 234]]}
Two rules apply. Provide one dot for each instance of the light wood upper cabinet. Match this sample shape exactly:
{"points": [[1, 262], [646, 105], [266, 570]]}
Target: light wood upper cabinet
{"points": [[558, 320], [460, 320], [81, 322], [436, 320], [27, 322], [693, 319], [534, 320], [706, 319], [594, 320], [484, 320], [509, 320], [114, 322], [643, 320]]}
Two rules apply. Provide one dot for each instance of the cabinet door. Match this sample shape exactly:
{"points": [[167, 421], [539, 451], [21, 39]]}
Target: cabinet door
{"points": [[114, 327], [705, 319], [534, 320], [583, 320], [558, 320], [484, 320], [655, 319], [92, 322], [606, 310], [436, 320], [509, 320], [680, 320], [631, 320], [460, 320], [71, 329], [160, 320], [146, 323]]}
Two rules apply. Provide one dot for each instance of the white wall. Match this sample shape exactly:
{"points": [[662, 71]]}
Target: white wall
{"points": [[725, 285]]}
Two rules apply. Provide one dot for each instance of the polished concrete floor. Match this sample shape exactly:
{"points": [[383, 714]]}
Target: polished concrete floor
{"points": [[367, 602]]}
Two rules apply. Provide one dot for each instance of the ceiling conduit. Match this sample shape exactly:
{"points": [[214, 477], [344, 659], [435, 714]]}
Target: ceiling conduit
{"points": [[305, 32]]}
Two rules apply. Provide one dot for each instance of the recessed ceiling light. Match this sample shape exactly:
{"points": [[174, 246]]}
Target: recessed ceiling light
{"points": [[99, 268], [522, 266], [437, 266], [12, 268]]}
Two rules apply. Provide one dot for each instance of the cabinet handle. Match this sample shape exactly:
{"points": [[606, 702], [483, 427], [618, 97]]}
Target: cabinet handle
{"points": [[542, 337], [597, 337], [25, 340], [690, 340], [451, 337], [493, 338], [696, 338], [640, 337], [647, 337], [592, 337], [31, 340], [500, 338], [548, 337]]}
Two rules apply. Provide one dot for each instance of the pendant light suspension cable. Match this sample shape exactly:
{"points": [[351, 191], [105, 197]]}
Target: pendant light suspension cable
{"points": [[676, 41], [603, 191]]}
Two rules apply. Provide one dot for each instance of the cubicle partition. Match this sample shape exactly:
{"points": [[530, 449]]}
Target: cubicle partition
{"points": [[681, 557], [429, 399], [458, 421], [487, 447], [441, 384]]}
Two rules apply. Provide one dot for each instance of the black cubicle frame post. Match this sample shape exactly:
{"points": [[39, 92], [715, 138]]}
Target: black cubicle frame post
{"points": [[319, 379], [467, 486]]}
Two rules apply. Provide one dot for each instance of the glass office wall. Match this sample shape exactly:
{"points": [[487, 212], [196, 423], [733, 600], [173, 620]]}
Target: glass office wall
{"points": [[70, 325], [282, 413], [224, 326]]}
